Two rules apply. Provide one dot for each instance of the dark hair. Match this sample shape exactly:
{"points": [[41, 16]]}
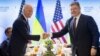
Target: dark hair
{"points": [[75, 3], [6, 31]]}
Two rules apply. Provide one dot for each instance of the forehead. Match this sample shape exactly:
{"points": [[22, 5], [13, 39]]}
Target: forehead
{"points": [[28, 7], [74, 6]]}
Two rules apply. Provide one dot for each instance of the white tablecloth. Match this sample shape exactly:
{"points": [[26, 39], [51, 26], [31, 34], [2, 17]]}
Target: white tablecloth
{"points": [[42, 49]]}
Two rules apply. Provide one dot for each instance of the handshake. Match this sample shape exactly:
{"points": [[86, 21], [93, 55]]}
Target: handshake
{"points": [[45, 35]]}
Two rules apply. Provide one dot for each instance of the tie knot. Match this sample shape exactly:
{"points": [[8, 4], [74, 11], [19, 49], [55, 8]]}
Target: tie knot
{"points": [[75, 18]]}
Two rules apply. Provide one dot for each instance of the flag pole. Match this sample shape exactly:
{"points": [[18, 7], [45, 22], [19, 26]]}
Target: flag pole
{"points": [[21, 7]]}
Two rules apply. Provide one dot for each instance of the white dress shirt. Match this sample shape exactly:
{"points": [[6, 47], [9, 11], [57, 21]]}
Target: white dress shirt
{"points": [[77, 19]]}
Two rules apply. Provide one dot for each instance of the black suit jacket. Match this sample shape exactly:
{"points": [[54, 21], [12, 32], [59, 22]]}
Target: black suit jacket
{"points": [[4, 46], [85, 36], [2, 53], [20, 37]]}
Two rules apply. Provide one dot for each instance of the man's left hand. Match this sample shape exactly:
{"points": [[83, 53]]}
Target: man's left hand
{"points": [[93, 51]]}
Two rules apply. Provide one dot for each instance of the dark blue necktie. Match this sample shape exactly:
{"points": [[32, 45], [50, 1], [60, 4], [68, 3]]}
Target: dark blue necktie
{"points": [[28, 26], [74, 25]]}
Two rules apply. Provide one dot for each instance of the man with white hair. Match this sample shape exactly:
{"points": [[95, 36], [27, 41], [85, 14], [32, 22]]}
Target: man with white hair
{"points": [[20, 33]]}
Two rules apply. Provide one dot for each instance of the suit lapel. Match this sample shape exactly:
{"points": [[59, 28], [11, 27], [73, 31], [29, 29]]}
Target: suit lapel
{"points": [[71, 23], [71, 26], [26, 22]]}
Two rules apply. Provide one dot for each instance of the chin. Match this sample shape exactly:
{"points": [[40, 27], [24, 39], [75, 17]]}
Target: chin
{"points": [[29, 16], [73, 15]]}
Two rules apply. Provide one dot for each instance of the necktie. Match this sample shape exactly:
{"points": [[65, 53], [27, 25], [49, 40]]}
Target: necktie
{"points": [[28, 26], [74, 24]]}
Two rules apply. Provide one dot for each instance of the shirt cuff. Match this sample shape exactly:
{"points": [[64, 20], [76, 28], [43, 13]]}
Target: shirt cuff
{"points": [[93, 47]]}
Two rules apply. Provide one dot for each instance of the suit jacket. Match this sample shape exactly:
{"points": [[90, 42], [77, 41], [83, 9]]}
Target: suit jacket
{"points": [[20, 37], [2, 53], [85, 36], [4, 46]]}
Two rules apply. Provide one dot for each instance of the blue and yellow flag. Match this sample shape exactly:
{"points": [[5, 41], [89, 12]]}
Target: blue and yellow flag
{"points": [[39, 25]]}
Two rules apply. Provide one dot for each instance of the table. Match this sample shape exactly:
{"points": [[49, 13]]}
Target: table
{"points": [[40, 50]]}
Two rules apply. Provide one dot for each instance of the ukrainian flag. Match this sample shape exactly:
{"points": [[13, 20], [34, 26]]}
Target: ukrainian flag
{"points": [[39, 25]]}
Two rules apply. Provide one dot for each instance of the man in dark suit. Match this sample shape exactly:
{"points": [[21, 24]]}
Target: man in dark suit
{"points": [[98, 49], [5, 44], [83, 32], [20, 33]]}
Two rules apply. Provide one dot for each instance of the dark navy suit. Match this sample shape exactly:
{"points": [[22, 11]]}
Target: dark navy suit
{"points": [[20, 37], [84, 37]]}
